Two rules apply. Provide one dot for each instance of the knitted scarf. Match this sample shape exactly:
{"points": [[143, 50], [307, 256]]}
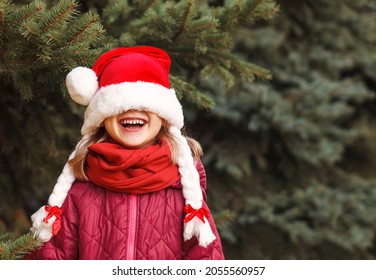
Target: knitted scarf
{"points": [[139, 171]]}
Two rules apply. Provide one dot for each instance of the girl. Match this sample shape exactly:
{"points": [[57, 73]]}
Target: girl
{"points": [[134, 187]]}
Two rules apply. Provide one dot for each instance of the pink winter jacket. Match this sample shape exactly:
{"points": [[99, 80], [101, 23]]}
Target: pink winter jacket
{"points": [[101, 224]]}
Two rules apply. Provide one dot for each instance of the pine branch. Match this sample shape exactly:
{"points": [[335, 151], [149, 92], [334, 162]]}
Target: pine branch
{"points": [[22, 86], [266, 13], [202, 24], [260, 9], [191, 92], [245, 69], [30, 29], [15, 15], [183, 22], [242, 13], [221, 72], [52, 39], [224, 218], [59, 14], [85, 28], [15, 249]]}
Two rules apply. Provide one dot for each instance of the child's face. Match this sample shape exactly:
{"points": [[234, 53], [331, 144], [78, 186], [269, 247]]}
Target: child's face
{"points": [[134, 129]]}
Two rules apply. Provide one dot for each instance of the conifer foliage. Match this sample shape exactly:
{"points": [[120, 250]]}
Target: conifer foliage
{"points": [[15, 248], [302, 153], [39, 42], [197, 36]]}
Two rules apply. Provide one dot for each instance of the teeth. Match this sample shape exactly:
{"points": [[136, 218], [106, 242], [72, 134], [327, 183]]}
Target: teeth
{"points": [[139, 122]]}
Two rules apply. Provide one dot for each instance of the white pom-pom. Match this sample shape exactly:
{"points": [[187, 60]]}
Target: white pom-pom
{"points": [[40, 228], [82, 84]]}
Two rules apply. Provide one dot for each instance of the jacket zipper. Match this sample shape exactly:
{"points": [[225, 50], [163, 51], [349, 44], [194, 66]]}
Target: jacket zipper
{"points": [[132, 226]]}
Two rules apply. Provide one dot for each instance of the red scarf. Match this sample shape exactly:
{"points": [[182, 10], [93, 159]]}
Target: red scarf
{"points": [[139, 171]]}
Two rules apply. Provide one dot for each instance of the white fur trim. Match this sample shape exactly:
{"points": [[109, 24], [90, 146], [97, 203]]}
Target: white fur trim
{"points": [[114, 99], [82, 85]]}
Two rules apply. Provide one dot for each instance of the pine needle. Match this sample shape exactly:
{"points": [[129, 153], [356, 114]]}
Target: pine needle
{"points": [[15, 249]]}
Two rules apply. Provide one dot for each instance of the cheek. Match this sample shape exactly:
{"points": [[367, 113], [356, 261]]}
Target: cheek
{"points": [[157, 127], [110, 126]]}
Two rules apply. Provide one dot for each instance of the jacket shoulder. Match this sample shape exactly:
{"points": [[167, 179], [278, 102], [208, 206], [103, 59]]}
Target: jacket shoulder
{"points": [[81, 189]]}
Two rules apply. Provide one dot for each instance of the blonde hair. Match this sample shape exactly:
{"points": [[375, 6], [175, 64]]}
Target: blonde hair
{"points": [[79, 160]]}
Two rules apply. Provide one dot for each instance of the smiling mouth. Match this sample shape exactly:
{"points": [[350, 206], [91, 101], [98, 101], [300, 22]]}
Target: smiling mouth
{"points": [[132, 124]]}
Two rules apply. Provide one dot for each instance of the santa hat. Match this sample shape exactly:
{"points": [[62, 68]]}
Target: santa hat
{"points": [[123, 79]]}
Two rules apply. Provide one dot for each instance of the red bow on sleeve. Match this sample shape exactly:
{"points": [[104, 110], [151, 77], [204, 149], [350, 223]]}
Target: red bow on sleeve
{"points": [[191, 213], [53, 211]]}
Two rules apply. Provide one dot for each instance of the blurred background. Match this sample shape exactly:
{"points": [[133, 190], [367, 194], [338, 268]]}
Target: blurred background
{"points": [[281, 94]]}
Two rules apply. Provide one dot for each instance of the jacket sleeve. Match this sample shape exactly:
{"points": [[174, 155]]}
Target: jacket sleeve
{"points": [[64, 245], [191, 249]]}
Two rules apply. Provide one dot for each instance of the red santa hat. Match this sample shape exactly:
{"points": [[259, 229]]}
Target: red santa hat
{"points": [[123, 79]]}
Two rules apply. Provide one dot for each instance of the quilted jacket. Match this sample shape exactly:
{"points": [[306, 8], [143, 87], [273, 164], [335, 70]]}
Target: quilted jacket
{"points": [[101, 224]]}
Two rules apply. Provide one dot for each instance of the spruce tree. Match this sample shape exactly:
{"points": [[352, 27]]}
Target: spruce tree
{"points": [[299, 152]]}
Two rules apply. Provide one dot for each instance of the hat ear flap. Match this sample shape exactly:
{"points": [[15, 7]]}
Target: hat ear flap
{"points": [[82, 85]]}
